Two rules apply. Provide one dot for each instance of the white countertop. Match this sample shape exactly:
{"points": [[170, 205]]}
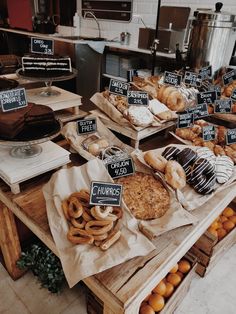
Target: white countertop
{"points": [[110, 44]]}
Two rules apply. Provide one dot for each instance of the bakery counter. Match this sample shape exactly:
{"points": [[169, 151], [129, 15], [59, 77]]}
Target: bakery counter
{"points": [[123, 287]]}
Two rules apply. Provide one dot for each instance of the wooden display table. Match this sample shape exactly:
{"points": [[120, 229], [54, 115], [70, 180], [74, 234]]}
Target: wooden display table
{"points": [[121, 288]]}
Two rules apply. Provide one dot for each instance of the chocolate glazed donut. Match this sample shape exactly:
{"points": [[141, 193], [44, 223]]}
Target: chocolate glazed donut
{"points": [[187, 157], [171, 153], [203, 177]]}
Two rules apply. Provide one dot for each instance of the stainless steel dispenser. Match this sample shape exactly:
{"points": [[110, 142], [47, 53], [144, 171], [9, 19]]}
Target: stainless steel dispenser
{"points": [[212, 38]]}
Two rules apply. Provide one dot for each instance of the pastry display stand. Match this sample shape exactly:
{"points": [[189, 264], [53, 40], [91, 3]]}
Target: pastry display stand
{"points": [[121, 288], [135, 136]]}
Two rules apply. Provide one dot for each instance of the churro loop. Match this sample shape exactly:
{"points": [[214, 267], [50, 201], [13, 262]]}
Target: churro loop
{"points": [[86, 215], [75, 208], [78, 236], [64, 206], [97, 216], [118, 212], [100, 237], [82, 196], [102, 213], [98, 227], [78, 223]]}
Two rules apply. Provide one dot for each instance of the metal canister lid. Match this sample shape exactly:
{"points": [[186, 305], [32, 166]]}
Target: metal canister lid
{"points": [[206, 15]]}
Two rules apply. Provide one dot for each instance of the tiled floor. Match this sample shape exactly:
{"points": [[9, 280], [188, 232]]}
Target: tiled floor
{"points": [[215, 294]]}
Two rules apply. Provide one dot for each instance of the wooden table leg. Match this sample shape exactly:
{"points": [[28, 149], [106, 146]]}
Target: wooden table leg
{"points": [[134, 143], [9, 242]]}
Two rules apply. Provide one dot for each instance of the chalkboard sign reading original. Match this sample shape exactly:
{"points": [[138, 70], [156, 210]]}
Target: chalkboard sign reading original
{"points": [[233, 95], [137, 98], [42, 46], [206, 98], [192, 79], [231, 136], [229, 77], [13, 99], [223, 106], [172, 78], [185, 120], [86, 126], [206, 72], [120, 168], [118, 87], [208, 133], [107, 194]]}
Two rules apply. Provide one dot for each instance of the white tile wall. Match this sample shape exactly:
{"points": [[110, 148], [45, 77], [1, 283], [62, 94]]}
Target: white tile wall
{"points": [[147, 9]]}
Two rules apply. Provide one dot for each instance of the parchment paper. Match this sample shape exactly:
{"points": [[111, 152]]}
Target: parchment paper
{"points": [[81, 261], [187, 196]]}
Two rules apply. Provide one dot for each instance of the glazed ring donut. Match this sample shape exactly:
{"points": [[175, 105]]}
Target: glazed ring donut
{"points": [[167, 92], [118, 212], [75, 208], [98, 227], [83, 196], [65, 206], [78, 223], [175, 101], [155, 161], [78, 236], [175, 175], [86, 215]]}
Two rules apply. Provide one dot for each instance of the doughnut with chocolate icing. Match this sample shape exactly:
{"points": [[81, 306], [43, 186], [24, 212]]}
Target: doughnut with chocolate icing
{"points": [[171, 153], [186, 157]]}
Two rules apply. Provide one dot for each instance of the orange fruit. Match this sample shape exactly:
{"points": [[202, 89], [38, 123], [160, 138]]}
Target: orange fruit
{"points": [[180, 274], [160, 288], [228, 225], [174, 279], [214, 225], [228, 211], [233, 219], [223, 219], [169, 290], [212, 231], [157, 302], [146, 309], [221, 233], [174, 269], [184, 266]]}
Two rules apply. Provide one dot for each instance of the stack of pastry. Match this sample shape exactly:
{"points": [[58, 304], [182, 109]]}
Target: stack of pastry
{"points": [[148, 84], [218, 146], [227, 90], [98, 225], [172, 98]]}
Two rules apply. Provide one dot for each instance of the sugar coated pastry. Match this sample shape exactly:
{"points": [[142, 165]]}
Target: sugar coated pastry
{"points": [[171, 153], [224, 169], [140, 116]]}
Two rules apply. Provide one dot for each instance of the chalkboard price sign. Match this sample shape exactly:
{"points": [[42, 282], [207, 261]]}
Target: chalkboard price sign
{"points": [[120, 168], [233, 95], [107, 194], [86, 126], [192, 79], [229, 77], [137, 98], [118, 87], [201, 111], [172, 78], [223, 106], [208, 133], [42, 46], [206, 72], [231, 136], [206, 98], [13, 99], [185, 120]]}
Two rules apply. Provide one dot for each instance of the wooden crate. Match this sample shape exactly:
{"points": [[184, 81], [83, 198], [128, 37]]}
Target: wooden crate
{"points": [[208, 251], [95, 305]]}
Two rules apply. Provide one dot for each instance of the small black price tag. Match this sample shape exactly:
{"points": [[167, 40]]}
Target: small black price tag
{"points": [[120, 168], [231, 136], [200, 111], [185, 120], [118, 87], [86, 126], [206, 72], [13, 99], [206, 98], [223, 106], [107, 194], [172, 78], [208, 133], [137, 98], [192, 79], [233, 95], [215, 88], [229, 77], [42, 46]]}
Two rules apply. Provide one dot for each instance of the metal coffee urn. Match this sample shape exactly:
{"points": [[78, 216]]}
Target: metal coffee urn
{"points": [[212, 38]]}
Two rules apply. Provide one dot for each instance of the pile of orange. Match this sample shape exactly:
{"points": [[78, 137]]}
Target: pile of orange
{"points": [[223, 224], [155, 301]]}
